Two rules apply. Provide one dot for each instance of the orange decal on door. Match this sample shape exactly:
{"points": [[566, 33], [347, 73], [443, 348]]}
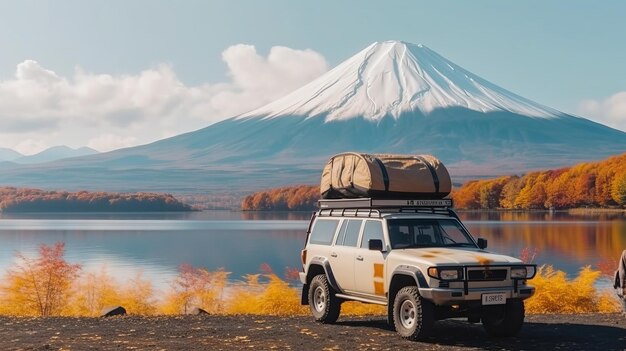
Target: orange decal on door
{"points": [[378, 270], [379, 288]]}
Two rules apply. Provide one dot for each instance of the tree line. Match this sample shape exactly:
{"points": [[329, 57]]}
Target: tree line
{"points": [[592, 184], [37, 200], [291, 198]]}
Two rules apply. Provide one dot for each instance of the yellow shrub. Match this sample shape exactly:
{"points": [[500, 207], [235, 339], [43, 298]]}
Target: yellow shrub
{"points": [[93, 293], [276, 298], [137, 297], [196, 287], [556, 294]]}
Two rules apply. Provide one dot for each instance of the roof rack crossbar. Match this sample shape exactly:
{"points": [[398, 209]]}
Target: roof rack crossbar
{"points": [[369, 203]]}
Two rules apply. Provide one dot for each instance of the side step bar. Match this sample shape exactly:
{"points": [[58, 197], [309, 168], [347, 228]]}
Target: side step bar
{"points": [[361, 299]]}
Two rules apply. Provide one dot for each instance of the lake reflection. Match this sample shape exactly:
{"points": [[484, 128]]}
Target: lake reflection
{"points": [[157, 244]]}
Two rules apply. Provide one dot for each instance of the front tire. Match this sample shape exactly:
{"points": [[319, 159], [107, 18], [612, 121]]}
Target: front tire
{"points": [[413, 316], [325, 306], [503, 321]]}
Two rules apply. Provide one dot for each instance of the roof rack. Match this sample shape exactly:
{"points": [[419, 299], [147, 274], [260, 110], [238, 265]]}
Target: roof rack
{"points": [[368, 207], [384, 203]]}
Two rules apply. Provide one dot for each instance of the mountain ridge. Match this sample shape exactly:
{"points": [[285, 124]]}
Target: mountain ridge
{"points": [[471, 129], [55, 153]]}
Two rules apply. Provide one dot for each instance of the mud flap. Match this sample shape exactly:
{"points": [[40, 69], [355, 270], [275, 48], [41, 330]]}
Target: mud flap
{"points": [[304, 298]]}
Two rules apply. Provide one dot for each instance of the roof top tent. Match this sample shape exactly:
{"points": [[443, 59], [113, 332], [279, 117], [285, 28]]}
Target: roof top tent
{"points": [[381, 176]]}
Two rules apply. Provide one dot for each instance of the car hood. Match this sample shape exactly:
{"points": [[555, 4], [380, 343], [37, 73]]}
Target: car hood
{"points": [[452, 256]]}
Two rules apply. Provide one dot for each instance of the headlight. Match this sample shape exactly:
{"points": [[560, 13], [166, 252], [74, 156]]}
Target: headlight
{"points": [[444, 273], [449, 274], [518, 273]]}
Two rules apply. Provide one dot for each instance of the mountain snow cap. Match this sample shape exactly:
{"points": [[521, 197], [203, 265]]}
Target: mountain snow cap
{"points": [[392, 77]]}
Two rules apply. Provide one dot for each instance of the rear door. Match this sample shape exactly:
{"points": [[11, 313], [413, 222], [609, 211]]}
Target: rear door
{"points": [[370, 264], [343, 253]]}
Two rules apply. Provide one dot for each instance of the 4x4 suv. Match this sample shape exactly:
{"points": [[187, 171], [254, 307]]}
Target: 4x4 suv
{"points": [[415, 257]]}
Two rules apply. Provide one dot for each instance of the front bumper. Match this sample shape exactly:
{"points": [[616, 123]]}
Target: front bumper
{"points": [[448, 296]]}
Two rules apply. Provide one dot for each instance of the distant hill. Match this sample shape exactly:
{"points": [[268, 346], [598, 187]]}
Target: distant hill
{"points": [[55, 153], [9, 154], [36, 200], [597, 184], [391, 97]]}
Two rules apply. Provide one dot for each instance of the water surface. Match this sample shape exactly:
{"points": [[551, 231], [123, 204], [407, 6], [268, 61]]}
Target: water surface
{"points": [[156, 244]]}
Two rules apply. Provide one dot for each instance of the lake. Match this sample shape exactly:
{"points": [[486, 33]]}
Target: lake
{"points": [[156, 244]]}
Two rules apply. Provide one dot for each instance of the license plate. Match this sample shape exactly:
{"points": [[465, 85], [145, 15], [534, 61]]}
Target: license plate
{"points": [[494, 299]]}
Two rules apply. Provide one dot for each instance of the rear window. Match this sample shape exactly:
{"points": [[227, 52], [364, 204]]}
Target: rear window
{"points": [[349, 232], [323, 231]]}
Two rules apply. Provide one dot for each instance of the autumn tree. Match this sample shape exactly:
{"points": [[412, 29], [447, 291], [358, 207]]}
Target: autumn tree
{"points": [[510, 191], [40, 286], [618, 189]]}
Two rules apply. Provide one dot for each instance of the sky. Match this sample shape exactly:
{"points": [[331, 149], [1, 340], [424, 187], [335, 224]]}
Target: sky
{"points": [[111, 74]]}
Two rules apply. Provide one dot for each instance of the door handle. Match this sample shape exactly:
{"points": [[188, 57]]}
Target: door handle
{"points": [[359, 258], [334, 254]]}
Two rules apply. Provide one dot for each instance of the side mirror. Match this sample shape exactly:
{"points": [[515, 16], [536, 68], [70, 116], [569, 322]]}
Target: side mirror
{"points": [[375, 244], [482, 243]]}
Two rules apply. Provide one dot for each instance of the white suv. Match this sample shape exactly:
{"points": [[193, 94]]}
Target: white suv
{"points": [[416, 258]]}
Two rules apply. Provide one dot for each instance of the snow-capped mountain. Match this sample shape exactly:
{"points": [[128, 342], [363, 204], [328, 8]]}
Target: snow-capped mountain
{"points": [[393, 77], [391, 97]]}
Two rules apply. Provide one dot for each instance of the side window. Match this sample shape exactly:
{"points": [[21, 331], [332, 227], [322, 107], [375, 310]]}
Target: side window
{"points": [[352, 232], [323, 231], [372, 230], [342, 233]]}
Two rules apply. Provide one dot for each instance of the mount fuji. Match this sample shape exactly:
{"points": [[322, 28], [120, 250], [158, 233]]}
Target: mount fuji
{"points": [[390, 97]]}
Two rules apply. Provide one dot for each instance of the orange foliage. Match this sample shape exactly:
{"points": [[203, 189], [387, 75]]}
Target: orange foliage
{"points": [[196, 287], [36, 200], [39, 286], [49, 286], [557, 294], [294, 198], [599, 184]]}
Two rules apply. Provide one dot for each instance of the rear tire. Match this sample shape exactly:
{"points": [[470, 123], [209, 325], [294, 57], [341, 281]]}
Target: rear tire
{"points": [[413, 317], [503, 321], [325, 306]]}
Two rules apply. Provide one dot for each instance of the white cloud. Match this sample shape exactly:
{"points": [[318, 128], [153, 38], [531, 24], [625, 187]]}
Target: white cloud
{"points": [[610, 111], [106, 111], [30, 147]]}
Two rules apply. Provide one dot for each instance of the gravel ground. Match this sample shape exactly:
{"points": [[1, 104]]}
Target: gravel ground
{"points": [[540, 332]]}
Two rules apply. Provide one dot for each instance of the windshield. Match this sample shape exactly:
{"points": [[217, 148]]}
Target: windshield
{"points": [[405, 233]]}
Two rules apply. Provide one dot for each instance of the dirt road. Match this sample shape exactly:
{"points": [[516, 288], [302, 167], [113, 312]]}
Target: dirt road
{"points": [[547, 332]]}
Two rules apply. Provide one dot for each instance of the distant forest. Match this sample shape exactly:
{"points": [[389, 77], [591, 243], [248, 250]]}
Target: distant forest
{"points": [[293, 198], [36, 200], [597, 184]]}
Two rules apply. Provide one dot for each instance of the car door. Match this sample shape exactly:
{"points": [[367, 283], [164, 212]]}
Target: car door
{"points": [[343, 253], [370, 264]]}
